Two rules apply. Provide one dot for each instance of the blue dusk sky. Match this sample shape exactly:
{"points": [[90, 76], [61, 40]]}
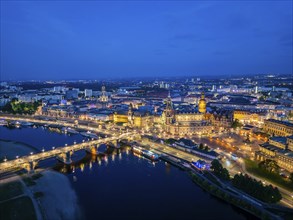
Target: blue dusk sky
{"points": [[99, 39]]}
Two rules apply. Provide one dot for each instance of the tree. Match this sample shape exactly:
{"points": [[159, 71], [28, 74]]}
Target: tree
{"points": [[16, 107], [269, 165], [170, 141], [201, 146], [219, 170], [236, 124], [256, 189], [291, 178], [216, 166]]}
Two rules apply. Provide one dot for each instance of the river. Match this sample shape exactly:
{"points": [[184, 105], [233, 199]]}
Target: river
{"points": [[124, 186]]}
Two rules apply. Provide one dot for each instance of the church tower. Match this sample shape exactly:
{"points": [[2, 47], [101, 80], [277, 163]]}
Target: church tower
{"points": [[104, 97], [169, 112], [130, 115], [202, 104]]}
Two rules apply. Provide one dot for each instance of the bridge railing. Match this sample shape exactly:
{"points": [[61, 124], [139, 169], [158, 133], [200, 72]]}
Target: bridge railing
{"points": [[57, 151]]}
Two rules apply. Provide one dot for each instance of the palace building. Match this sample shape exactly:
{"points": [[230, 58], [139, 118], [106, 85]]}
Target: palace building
{"points": [[278, 128], [174, 122], [278, 149], [182, 123], [140, 118]]}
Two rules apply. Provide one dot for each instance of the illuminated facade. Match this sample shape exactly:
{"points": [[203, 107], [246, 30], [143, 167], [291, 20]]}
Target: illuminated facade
{"points": [[220, 120], [278, 128], [185, 123], [202, 104], [249, 117], [134, 118], [278, 149]]}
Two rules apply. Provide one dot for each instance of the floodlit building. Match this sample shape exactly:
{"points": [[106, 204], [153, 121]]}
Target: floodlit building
{"points": [[278, 149], [182, 123], [278, 128]]}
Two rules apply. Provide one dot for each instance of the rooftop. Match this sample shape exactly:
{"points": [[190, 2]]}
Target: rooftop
{"points": [[286, 123]]}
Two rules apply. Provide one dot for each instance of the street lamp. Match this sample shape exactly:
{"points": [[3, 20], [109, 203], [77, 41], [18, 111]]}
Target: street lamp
{"points": [[32, 153], [43, 150]]}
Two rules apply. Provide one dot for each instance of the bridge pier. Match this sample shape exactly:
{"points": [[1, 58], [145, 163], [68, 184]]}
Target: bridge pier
{"points": [[30, 166], [65, 157], [92, 150], [115, 144]]}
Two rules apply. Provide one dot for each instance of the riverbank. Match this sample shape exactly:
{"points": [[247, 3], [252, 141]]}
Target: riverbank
{"points": [[16, 201], [231, 198], [10, 149], [46, 195], [56, 196], [252, 167]]}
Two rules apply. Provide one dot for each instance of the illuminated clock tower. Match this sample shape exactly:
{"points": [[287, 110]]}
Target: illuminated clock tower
{"points": [[202, 104]]}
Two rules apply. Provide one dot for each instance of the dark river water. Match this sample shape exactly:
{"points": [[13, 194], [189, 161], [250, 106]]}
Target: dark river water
{"points": [[124, 186]]}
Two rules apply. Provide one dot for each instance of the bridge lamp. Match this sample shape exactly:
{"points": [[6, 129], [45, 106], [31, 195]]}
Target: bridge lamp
{"points": [[5, 159], [43, 150], [53, 148], [65, 145], [74, 142], [17, 157], [32, 153]]}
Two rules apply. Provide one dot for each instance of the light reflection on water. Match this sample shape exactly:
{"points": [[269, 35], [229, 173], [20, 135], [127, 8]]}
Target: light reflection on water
{"points": [[124, 185]]}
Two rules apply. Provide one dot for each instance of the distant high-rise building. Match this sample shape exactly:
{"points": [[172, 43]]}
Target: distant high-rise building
{"points": [[214, 88], [88, 93], [58, 88], [256, 89]]}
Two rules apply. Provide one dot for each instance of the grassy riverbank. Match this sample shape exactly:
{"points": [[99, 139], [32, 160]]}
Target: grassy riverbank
{"points": [[229, 197], [252, 167], [14, 204]]}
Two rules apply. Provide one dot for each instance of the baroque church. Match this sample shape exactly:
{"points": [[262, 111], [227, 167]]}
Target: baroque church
{"points": [[180, 123]]}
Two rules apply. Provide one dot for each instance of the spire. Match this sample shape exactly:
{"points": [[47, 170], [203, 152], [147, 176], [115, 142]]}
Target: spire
{"points": [[130, 107], [202, 95]]}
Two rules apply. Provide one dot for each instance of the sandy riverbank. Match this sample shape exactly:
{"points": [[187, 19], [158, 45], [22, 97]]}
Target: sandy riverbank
{"points": [[59, 200]]}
